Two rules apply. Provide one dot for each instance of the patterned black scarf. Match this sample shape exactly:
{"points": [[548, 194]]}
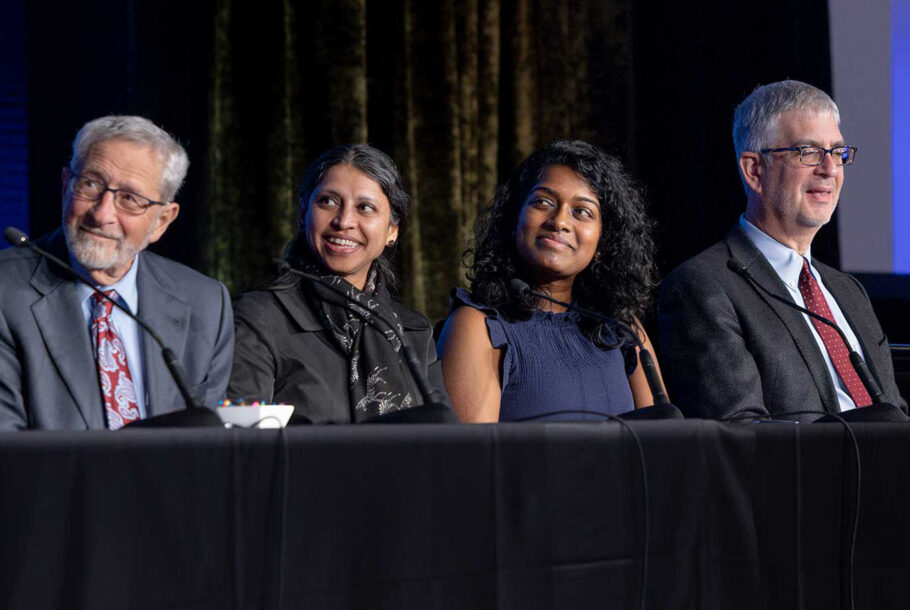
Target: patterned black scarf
{"points": [[377, 379]]}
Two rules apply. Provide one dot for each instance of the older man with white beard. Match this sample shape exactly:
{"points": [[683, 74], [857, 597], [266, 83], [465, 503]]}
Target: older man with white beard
{"points": [[69, 360]]}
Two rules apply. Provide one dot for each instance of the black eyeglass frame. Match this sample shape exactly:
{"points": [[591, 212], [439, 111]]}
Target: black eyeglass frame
{"points": [[827, 151], [71, 175]]}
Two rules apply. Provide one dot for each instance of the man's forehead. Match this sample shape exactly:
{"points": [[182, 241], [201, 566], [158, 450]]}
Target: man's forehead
{"points": [[124, 149], [802, 126], [130, 160]]}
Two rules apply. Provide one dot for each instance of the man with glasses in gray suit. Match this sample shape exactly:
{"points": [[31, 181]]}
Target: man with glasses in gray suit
{"points": [[68, 359], [729, 349]]}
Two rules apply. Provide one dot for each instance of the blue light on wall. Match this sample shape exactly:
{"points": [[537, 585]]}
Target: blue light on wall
{"points": [[13, 119], [900, 125]]}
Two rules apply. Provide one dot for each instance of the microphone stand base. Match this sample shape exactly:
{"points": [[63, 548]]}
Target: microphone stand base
{"points": [[431, 413], [666, 411], [198, 417], [882, 412]]}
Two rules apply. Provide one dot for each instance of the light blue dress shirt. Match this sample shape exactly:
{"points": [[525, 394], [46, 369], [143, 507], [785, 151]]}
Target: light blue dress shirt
{"points": [[788, 264], [129, 332]]}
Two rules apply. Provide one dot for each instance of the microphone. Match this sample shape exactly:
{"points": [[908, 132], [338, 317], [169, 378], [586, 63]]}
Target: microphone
{"points": [[432, 401], [15, 237], [865, 376], [521, 288], [19, 239]]}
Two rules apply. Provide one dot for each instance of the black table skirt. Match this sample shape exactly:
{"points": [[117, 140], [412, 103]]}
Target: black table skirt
{"points": [[436, 517]]}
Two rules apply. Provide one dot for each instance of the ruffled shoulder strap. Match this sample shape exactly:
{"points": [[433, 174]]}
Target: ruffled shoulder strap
{"points": [[460, 297]]}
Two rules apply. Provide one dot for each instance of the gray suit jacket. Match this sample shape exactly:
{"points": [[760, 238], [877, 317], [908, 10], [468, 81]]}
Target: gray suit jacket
{"points": [[729, 350], [48, 376]]}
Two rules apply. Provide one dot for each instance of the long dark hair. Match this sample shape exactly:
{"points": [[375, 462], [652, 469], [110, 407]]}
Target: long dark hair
{"points": [[380, 168], [619, 283]]}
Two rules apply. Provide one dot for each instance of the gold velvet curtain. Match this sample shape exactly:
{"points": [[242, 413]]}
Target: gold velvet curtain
{"points": [[458, 92]]}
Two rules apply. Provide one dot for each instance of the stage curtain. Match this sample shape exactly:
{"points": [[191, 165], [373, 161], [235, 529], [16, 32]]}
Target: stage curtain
{"points": [[457, 92]]}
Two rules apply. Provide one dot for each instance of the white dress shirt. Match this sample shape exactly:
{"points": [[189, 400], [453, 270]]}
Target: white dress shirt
{"points": [[788, 264]]}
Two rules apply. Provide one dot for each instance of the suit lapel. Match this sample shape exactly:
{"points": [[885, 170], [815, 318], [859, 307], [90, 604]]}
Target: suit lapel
{"points": [[842, 289], [296, 306], [66, 337], [166, 311], [743, 250]]}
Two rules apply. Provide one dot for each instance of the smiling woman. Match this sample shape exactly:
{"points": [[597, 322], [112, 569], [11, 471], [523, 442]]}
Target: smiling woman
{"points": [[570, 223], [349, 223], [295, 343]]}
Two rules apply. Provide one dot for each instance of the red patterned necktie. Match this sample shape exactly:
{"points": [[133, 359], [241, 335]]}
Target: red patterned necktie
{"points": [[837, 350], [113, 372]]}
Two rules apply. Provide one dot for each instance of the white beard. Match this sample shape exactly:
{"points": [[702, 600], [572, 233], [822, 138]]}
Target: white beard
{"points": [[94, 255]]}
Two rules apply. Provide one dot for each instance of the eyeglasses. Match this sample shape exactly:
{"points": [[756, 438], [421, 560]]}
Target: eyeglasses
{"points": [[93, 189], [815, 155]]}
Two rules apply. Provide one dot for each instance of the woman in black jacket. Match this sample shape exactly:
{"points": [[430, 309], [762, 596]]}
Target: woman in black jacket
{"points": [[296, 342]]}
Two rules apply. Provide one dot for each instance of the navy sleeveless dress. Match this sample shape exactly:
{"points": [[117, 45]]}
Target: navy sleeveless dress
{"points": [[552, 371]]}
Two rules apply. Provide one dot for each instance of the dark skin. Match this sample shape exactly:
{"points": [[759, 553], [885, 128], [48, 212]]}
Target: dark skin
{"points": [[557, 234]]}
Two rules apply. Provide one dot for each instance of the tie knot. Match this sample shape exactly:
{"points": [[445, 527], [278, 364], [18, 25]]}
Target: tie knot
{"points": [[101, 308], [805, 275]]}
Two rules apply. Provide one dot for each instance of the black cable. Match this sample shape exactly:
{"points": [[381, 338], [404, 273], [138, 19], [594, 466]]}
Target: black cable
{"points": [[562, 412], [645, 496], [283, 514], [645, 499], [285, 465], [848, 578], [428, 393], [259, 421], [655, 385], [20, 240], [859, 365]]}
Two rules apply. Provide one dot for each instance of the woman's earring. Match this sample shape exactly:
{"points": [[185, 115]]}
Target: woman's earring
{"points": [[391, 243], [597, 255]]}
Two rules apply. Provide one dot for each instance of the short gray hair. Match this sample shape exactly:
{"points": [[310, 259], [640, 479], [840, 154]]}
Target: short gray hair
{"points": [[755, 119], [139, 130]]}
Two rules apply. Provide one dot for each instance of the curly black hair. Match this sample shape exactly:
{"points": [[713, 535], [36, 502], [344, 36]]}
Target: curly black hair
{"points": [[618, 284]]}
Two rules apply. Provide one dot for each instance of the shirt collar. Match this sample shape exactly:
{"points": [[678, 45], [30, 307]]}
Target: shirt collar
{"points": [[126, 287], [787, 262]]}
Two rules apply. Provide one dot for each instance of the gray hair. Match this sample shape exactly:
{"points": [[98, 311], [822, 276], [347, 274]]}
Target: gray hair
{"points": [[755, 119], [139, 130]]}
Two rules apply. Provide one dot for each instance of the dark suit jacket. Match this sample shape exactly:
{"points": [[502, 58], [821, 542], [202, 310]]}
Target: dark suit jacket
{"points": [[728, 349], [48, 375], [284, 355]]}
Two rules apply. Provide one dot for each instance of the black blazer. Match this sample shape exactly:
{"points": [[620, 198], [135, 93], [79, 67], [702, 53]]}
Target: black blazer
{"points": [[282, 354], [728, 349]]}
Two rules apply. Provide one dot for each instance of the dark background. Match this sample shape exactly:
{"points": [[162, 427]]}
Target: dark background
{"points": [[457, 92]]}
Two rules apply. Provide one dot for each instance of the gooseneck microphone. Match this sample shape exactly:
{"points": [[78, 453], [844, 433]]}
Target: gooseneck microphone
{"points": [[19, 239], [430, 395], [865, 376], [521, 288]]}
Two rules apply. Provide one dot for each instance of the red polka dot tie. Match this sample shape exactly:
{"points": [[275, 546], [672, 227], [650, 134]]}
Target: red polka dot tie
{"points": [[838, 352], [113, 372]]}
